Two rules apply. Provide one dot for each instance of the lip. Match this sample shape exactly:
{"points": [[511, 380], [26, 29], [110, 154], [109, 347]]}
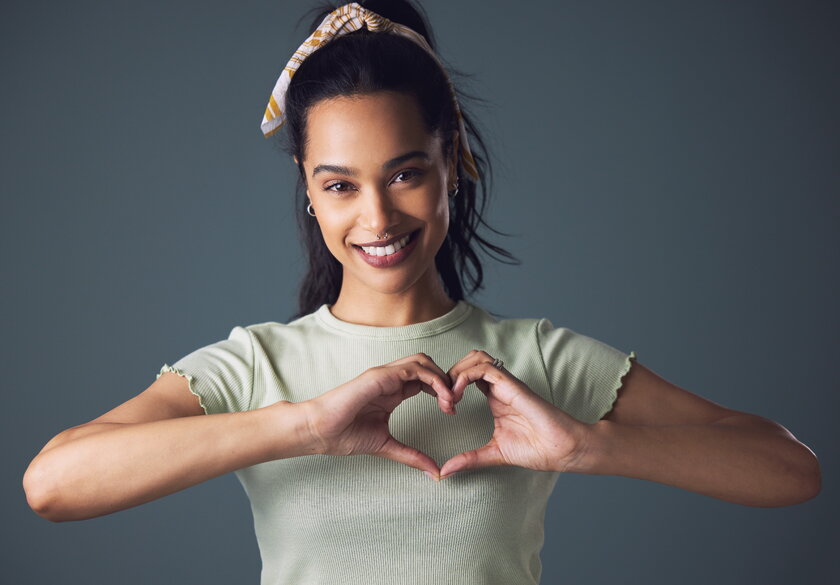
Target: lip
{"points": [[387, 242], [393, 259]]}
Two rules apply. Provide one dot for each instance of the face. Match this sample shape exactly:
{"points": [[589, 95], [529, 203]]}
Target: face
{"points": [[371, 167]]}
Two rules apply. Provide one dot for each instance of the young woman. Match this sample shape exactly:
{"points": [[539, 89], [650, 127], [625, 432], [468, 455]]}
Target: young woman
{"points": [[390, 212]]}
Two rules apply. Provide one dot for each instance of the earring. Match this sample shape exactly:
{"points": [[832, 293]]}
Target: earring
{"points": [[309, 210], [455, 192]]}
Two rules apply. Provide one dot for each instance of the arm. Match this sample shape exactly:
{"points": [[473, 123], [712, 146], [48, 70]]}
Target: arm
{"points": [[157, 443], [659, 432], [655, 431]]}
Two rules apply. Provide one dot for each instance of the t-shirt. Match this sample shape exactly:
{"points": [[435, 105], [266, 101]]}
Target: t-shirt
{"points": [[365, 520]]}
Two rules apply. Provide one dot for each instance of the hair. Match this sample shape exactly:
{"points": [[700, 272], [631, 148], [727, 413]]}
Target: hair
{"points": [[365, 62]]}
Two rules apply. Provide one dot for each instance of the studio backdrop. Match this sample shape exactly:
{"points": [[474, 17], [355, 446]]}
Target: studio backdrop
{"points": [[666, 172]]}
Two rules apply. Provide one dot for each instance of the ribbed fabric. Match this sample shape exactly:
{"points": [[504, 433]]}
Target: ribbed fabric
{"points": [[365, 520]]}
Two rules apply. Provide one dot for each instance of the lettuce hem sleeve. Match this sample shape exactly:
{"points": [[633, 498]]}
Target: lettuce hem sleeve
{"points": [[613, 395], [167, 368]]}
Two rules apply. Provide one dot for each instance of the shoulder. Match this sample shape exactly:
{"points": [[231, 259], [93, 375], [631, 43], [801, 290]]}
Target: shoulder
{"points": [[540, 328], [567, 353]]}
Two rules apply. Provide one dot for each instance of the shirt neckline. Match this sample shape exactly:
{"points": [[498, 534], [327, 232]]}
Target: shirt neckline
{"points": [[456, 315]]}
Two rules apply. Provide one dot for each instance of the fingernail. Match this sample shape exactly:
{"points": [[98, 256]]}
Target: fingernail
{"points": [[430, 476]]}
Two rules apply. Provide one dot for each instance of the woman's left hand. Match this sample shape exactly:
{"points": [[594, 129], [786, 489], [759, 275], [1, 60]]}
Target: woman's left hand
{"points": [[529, 431]]}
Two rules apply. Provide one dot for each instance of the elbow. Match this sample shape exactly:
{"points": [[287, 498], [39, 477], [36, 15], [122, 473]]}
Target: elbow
{"points": [[41, 493], [805, 478], [812, 478], [808, 487]]}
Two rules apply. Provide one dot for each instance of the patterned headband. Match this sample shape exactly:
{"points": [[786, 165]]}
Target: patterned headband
{"points": [[346, 19]]}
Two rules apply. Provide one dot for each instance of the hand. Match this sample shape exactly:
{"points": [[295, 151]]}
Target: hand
{"points": [[529, 431], [352, 419]]}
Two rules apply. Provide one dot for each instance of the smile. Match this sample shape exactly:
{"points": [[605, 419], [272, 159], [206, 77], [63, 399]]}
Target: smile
{"points": [[394, 253]]}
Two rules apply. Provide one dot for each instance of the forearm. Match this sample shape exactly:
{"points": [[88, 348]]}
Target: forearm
{"points": [[77, 432], [113, 469], [747, 462]]}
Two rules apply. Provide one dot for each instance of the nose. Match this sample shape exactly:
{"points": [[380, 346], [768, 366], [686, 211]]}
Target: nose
{"points": [[377, 212]]}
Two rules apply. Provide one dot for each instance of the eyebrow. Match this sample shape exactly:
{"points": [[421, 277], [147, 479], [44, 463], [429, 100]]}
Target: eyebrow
{"points": [[387, 166]]}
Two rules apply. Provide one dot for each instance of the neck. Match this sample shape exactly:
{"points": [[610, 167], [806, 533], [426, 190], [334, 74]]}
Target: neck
{"points": [[424, 301]]}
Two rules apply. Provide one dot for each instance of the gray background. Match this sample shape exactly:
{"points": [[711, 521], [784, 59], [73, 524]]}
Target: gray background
{"points": [[669, 170]]}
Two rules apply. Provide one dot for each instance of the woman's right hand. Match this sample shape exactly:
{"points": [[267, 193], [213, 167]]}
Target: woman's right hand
{"points": [[352, 419]]}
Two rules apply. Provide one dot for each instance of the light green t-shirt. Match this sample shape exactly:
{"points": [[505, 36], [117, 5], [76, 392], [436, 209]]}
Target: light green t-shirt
{"points": [[365, 520]]}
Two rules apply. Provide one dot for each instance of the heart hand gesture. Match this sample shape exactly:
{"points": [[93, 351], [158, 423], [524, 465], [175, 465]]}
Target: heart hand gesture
{"points": [[529, 431], [352, 419]]}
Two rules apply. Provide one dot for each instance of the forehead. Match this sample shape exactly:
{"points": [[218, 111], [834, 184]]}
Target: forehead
{"points": [[369, 126]]}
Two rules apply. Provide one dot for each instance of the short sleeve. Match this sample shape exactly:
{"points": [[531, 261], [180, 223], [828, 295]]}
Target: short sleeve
{"points": [[220, 374], [584, 374]]}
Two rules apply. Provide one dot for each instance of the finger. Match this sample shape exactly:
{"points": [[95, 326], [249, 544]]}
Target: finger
{"points": [[446, 405], [483, 386], [482, 371], [424, 360], [472, 359], [486, 456], [427, 361], [402, 453], [415, 371]]}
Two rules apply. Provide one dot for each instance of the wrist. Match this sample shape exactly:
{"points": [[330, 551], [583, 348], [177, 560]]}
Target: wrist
{"points": [[294, 422], [593, 447]]}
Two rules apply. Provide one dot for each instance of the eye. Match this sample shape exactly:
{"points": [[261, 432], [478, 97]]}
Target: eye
{"points": [[336, 184], [410, 173]]}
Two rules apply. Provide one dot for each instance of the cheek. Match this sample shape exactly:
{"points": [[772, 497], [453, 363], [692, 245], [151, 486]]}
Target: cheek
{"points": [[441, 213], [332, 228]]}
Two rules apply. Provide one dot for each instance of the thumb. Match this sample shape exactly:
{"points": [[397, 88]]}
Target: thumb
{"points": [[402, 453], [486, 456]]}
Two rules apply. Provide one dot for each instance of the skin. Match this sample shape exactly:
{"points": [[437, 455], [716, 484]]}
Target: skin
{"points": [[160, 441], [656, 430], [362, 134]]}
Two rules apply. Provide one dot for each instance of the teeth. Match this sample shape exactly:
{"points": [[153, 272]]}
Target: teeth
{"points": [[386, 250]]}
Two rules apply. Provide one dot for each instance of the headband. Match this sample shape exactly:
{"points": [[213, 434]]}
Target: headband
{"points": [[346, 19]]}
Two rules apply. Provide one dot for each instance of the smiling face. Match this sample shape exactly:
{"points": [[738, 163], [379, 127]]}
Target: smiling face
{"points": [[371, 167]]}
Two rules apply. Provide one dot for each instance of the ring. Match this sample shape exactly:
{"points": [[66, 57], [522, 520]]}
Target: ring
{"points": [[497, 363]]}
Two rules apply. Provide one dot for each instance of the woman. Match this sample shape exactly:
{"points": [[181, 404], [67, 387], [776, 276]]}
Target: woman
{"points": [[392, 213]]}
